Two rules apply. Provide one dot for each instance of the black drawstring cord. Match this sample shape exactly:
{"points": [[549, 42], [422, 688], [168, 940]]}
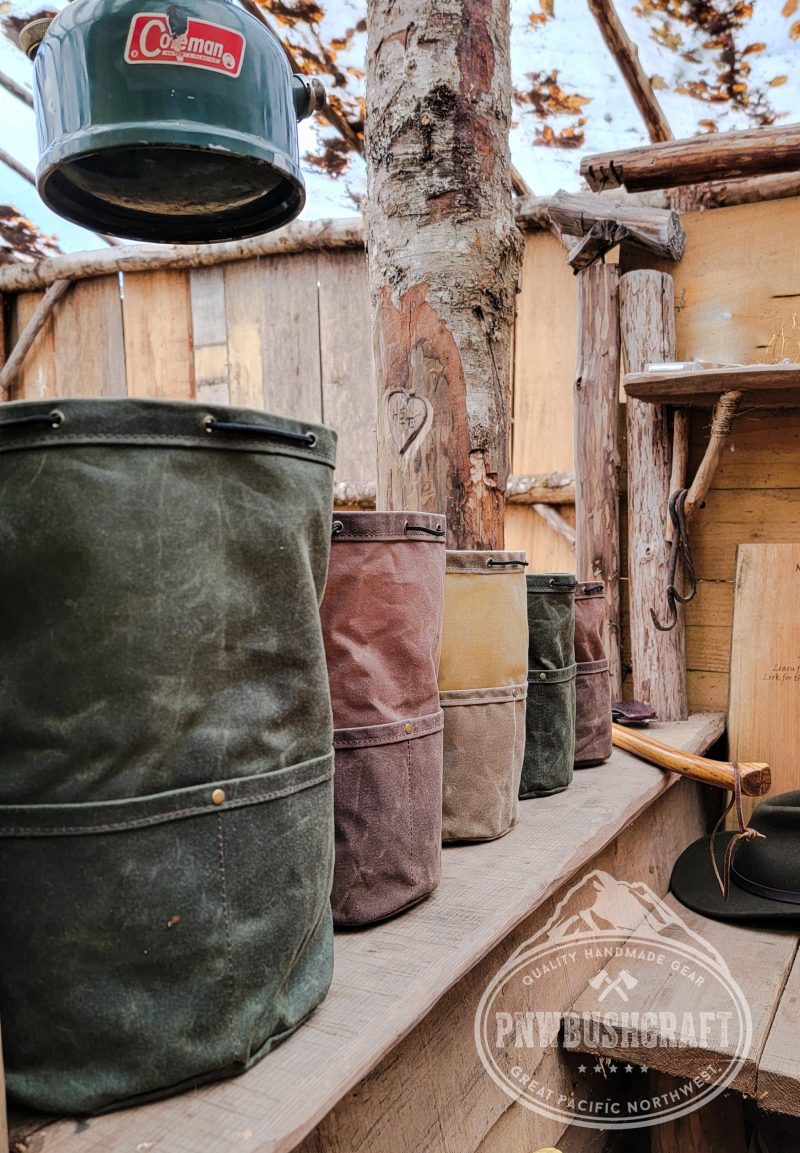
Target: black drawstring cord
{"points": [[492, 563], [211, 424], [52, 419], [437, 531]]}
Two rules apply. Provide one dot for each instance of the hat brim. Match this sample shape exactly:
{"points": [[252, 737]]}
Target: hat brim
{"points": [[694, 884]]}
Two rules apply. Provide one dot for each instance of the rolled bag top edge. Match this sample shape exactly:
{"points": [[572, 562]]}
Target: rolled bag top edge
{"points": [[167, 422]]}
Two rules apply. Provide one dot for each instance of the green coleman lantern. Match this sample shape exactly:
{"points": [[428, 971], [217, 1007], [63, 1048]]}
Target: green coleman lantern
{"points": [[167, 122]]}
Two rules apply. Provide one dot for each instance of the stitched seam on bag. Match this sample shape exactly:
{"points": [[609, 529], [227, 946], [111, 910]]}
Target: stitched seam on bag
{"points": [[389, 536], [424, 727], [165, 438], [410, 811], [475, 697], [162, 818], [228, 940]]}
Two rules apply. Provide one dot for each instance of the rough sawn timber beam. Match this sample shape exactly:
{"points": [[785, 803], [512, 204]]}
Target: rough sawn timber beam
{"points": [[721, 156]]}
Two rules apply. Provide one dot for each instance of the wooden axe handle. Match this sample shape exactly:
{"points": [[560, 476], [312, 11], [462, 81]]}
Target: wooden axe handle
{"points": [[755, 777]]}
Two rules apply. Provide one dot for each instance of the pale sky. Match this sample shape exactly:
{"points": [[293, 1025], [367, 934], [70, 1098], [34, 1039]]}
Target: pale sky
{"points": [[565, 41]]}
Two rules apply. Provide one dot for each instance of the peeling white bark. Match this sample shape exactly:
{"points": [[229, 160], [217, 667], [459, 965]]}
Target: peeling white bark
{"points": [[444, 256]]}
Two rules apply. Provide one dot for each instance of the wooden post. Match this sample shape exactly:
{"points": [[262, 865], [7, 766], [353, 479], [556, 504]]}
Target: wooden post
{"points": [[444, 254], [647, 326], [596, 451]]}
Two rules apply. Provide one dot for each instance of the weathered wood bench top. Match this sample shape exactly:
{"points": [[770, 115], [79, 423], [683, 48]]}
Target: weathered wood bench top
{"points": [[389, 977], [766, 965]]}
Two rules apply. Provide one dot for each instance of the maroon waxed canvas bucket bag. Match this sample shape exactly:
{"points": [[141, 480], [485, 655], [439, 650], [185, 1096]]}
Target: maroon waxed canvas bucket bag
{"points": [[593, 683], [382, 625]]}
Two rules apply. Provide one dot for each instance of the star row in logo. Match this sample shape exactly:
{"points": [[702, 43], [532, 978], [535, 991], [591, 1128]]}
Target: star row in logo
{"points": [[614, 1068]]}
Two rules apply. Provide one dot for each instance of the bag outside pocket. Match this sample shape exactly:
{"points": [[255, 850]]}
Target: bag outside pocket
{"points": [[388, 812], [484, 742], [550, 732], [178, 936], [592, 714]]}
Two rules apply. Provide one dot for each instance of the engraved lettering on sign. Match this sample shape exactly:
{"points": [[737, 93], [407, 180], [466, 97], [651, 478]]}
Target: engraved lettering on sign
{"points": [[780, 674]]}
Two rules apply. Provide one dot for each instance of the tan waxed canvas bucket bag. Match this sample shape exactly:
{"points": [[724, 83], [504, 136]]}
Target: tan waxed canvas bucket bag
{"points": [[482, 689]]}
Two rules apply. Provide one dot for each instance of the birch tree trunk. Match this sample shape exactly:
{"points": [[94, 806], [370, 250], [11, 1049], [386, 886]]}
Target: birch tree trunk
{"points": [[444, 256]]}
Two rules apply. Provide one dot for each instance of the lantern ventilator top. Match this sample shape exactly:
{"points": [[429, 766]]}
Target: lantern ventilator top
{"points": [[167, 122]]}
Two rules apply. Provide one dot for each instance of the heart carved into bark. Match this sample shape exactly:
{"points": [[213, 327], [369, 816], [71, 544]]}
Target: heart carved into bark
{"points": [[409, 418]]}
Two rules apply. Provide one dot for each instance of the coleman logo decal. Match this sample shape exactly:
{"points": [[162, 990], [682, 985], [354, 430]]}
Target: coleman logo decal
{"points": [[158, 38]]}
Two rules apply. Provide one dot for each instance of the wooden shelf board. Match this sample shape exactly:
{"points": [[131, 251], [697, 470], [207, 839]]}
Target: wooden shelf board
{"points": [[389, 977], [759, 960], [768, 385], [778, 1084]]}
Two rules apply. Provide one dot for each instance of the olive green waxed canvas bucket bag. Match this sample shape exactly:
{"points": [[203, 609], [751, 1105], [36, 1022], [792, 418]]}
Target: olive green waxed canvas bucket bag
{"points": [[550, 712], [166, 827]]}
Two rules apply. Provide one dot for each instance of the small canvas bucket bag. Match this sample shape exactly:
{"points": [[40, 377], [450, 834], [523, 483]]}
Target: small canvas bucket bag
{"points": [[382, 623], [482, 688], [550, 711], [593, 684]]}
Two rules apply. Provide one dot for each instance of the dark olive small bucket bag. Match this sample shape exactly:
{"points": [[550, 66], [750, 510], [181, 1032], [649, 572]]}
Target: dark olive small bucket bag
{"points": [[166, 815], [550, 713]]}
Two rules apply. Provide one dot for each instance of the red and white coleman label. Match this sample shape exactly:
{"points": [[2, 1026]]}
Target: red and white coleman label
{"points": [[152, 39]]}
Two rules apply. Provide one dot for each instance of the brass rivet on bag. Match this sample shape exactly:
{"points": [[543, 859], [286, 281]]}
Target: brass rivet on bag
{"points": [[409, 727], [542, 676], [218, 796]]}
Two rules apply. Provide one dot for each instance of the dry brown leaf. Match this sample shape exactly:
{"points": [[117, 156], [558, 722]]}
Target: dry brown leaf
{"points": [[778, 81], [794, 31], [790, 7], [658, 83]]}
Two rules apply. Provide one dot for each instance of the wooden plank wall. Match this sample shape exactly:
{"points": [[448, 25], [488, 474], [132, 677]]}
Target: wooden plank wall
{"points": [[545, 350], [737, 288], [291, 334]]}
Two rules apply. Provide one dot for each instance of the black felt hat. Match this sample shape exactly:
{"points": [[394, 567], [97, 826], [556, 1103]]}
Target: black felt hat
{"points": [[764, 874]]}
